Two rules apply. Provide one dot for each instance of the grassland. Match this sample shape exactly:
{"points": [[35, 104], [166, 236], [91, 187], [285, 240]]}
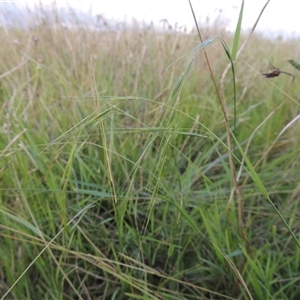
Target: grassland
{"points": [[115, 174]]}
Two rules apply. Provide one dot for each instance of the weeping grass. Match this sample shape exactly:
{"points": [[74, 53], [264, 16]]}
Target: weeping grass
{"points": [[115, 175]]}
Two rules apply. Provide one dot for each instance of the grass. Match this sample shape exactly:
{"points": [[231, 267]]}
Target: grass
{"points": [[115, 174]]}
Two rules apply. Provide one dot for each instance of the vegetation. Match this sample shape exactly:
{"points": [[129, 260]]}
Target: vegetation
{"points": [[122, 179]]}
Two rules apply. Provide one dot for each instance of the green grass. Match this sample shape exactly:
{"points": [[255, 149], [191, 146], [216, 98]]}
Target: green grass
{"points": [[115, 174]]}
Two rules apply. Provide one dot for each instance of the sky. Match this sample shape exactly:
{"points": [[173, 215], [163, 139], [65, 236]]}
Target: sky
{"points": [[280, 16]]}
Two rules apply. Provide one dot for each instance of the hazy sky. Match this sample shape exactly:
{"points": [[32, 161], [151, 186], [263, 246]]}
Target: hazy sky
{"points": [[280, 15]]}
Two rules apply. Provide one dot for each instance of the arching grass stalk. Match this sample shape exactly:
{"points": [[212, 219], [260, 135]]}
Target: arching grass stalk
{"points": [[234, 56], [221, 96], [206, 56]]}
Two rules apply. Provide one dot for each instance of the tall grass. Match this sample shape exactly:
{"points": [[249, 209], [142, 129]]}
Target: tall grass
{"points": [[115, 175]]}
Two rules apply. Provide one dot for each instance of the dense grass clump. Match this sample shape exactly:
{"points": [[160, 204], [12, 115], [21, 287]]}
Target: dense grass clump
{"points": [[115, 174]]}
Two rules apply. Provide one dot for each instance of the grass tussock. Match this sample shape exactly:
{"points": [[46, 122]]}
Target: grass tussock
{"points": [[115, 178]]}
